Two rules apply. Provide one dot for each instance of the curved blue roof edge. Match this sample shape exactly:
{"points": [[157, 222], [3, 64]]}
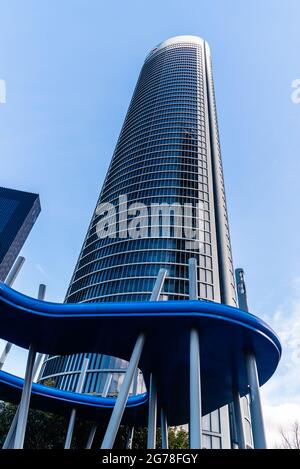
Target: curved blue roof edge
{"points": [[82, 327], [68, 396], [37, 307]]}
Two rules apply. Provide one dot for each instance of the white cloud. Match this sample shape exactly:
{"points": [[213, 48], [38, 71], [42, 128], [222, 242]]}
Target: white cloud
{"points": [[40, 269], [279, 416], [281, 395]]}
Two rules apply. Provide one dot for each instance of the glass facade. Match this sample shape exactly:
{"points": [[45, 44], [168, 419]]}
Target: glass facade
{"points": [[18, 213], [167, 153]]}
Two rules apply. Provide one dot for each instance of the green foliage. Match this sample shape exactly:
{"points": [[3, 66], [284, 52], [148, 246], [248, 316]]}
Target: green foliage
{"points": [[45, 430]]}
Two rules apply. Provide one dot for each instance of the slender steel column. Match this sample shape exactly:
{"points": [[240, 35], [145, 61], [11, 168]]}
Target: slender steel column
{"points": [[195, 392], [14, 272], [91, 436], [258, 430], [155, 295], [4, 354], [107, 385], [164, 429], [195, 377], [25, 399], [79, 388], [70, 430], [159, 283], [129, 440], [40, 356], [238, 419], [117, 413], [131, 430], [152, 414], [9, 282], [8, 442], [193, 288]]}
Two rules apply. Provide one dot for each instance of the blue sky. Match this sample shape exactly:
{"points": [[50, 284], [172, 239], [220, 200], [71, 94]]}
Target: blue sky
{"points": [[70, 69]]}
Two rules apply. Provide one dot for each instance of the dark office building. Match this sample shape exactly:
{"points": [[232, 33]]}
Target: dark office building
{"points": [[168, 152], [18, 213]]}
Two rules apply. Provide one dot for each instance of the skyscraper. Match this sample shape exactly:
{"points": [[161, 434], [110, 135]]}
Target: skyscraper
{"points": [[168, 152], [18, 213]]}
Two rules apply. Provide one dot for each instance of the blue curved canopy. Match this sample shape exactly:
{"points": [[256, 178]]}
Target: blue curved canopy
{"points": [[62, 402], [226, 333]]}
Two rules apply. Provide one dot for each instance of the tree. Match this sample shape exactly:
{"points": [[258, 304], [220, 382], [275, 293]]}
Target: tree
{"points": [[290, 439], [48, 431]]}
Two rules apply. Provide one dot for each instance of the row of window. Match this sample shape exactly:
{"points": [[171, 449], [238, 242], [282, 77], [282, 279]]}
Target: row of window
{"points": [[95, 383], [155, 88], [145, 95], [160, 134], [159, 231], [148, 103], [161, 171], [55, 364], [165, 126], [159, 256], [162, 138], [165, 129], [138, 285], [137, 270], [87, 268], [158, 166], [141, 184], [147, 244], [155, 227], [140, 158], [109, 240], [188, 216], [171, 116], [186, 120], [159, 144], [148, 95], [160, 194], [154, 100], [174, 51]]}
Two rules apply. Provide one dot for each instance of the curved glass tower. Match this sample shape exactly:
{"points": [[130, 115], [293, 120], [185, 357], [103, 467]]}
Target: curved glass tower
{"points": [[167, 153]]}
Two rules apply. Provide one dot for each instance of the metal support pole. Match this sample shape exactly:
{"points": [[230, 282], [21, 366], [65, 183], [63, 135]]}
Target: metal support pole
{"points": [[241, 289], [107, 385], [152, 414], [164, 429], [4, 354], [258, 430], [40, 356], [79, 388], [9, 282], [14, 272], [131, 429], [155, 295], [195, 392], [129, 440], [195, 377], [8, 443], [193, 288], [70, 430], [238, 418], [25, 399], [159, 283], [116, 416], [91, 436]]}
